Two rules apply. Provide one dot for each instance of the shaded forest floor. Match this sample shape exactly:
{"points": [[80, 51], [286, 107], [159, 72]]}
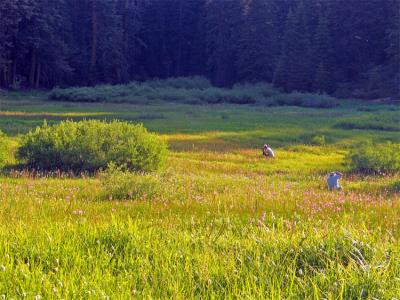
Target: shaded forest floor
{"points": [[228, 223]]}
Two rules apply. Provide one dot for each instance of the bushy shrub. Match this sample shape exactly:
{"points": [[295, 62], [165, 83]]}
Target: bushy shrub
{"points": [[374, 158], [195, 82], [318, 140], [3, 149], [92, 145], [118, 184], [312, 138], [260, 89], [194, 90], [395, 187]]}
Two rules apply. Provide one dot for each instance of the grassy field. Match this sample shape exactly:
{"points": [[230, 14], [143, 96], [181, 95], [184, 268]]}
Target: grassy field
{"points": [[226, 222]]}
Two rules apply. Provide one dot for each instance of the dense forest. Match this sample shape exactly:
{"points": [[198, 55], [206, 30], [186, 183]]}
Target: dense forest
{"points": [[342, 47]]}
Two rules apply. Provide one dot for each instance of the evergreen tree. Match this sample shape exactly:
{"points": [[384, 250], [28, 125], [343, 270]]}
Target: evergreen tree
{"points": [[322, 57], [40, 45], [133, 44], [257, 46], [295, 59], [323, 79], [393, 49], [222, 27], [12, 13], [305, 45]]}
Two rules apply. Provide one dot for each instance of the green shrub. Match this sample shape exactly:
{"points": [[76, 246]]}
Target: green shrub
{"points": [[195, 82], [395, 187], [92, 145], [3, 149], [193, 90], [312, 138], [118, 184], [318, 140], [374, 158]]}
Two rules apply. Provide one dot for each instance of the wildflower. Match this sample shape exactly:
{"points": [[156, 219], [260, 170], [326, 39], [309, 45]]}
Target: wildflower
{"points": [[300, 272], [3, 268], [78, 212], [364, 293]]}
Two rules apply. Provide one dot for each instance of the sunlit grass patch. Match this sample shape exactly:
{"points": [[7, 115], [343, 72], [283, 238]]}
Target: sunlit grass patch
{"points": [[250, 160]]}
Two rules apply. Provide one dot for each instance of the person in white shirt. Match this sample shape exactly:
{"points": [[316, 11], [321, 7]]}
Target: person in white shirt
{"points": [[333, 181], [267, 151]]}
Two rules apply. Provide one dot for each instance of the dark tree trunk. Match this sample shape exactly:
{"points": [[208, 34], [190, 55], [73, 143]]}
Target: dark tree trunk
{"points": [[32, 73], [38, 70], [178, 71], [93, 58]]}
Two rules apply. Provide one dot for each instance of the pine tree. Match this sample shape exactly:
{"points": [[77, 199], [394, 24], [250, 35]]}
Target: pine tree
{"points": [[12, 13], [39, 45], [222, 28], [44, 43], [322, 57], [323, 79], [257, 44], [133, 44], [393, 49], [293, 71]]}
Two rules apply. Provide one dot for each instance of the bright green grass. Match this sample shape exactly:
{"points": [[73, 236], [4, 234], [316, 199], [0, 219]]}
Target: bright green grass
{"points": [[228, 223]]}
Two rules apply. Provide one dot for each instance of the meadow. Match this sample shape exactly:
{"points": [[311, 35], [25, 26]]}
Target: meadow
{"points": [[219, 221]]}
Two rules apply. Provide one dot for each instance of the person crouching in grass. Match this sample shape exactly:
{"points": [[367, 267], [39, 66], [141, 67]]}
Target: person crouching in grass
{"points": [[267, 151], [333, 181]]}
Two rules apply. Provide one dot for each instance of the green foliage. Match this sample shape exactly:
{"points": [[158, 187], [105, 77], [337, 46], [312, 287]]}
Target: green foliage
{"points": [[186, 90], [322, 45], [119, 184], [91, 145], [3, 149], [312, 138], [195, 82], [318, 140], [295, 61], [322, 81], [383, 121], [195, 90], [374, 158], [395, 187], [306, 100]]}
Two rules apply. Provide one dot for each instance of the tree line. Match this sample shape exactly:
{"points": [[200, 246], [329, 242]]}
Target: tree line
{"points": [[326, 46]]}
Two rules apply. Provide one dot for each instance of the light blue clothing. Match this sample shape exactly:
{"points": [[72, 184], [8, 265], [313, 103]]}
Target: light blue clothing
{"points": [[333, 181]]}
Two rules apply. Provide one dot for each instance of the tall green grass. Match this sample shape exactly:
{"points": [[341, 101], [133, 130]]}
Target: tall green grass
{"points": [[203, 236]]}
